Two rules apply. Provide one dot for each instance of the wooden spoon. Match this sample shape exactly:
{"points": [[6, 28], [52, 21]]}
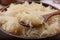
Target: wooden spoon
{"points": [[47, 16]]}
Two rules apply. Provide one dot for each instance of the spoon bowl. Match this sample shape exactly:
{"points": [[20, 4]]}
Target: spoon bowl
{"points": [[46, 17]]}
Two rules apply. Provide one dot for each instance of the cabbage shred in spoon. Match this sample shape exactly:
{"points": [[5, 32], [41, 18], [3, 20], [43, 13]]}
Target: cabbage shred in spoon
{"points": [[46, 17]]}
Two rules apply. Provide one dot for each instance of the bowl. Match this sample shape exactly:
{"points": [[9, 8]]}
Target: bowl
{"points": [[7, 34]]}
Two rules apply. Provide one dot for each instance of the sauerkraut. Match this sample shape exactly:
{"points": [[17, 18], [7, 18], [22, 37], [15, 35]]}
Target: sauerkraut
{"points": [[31, 14]]}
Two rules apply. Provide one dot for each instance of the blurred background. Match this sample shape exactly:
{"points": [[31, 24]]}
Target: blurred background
{"points": [[10, 1], [55, 3]]}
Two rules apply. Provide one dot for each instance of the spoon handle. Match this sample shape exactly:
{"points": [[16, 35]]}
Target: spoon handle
{"points": [[57, 12]]}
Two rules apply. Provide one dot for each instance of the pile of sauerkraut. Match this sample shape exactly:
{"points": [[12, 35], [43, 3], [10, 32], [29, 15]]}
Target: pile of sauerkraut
{"points": [[31, 14]]}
